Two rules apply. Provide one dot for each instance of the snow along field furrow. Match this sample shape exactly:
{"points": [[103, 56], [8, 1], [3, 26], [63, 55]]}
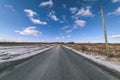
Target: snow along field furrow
{"points": [[14, 52]]}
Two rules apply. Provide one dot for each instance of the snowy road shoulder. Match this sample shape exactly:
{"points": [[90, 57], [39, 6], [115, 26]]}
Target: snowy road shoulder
{"points": [[101, 61], [27, 55]]}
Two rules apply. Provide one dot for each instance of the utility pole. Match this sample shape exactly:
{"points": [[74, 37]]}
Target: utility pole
{"points": [[105, 33]]}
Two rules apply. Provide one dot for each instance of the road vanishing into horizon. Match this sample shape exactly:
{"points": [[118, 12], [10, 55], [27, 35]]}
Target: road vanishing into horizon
{"points": [[57, 63]]}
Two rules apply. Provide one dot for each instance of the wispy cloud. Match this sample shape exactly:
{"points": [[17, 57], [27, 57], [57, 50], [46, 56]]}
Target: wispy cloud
{"points": [[29, 31], [53, 16], [116, 12], [63, 37], [57, 38], [83, 12], [64, 6], [90, 0], [64, 19], [60, 37], [9, 7], [79, 23], [15, 40], [73, 10], [114, 1], [61, 21], [68, 36], [115, 36], [37, 21], [31, 15], [69, 31], [47, 3], [65, 27]]}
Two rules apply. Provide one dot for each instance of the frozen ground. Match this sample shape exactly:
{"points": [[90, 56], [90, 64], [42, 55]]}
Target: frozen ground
{"points": [[100, 60], [10, 53]]}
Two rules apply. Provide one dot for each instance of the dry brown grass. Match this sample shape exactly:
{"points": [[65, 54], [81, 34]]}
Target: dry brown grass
{"points": [[97, 49]]}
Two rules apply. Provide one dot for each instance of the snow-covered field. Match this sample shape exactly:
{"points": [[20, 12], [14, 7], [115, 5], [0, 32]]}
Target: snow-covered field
{"points": [[9, 53], [100, 60]]}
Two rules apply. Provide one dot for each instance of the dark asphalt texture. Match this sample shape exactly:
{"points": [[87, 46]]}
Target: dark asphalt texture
{"points": [[58, 63]]}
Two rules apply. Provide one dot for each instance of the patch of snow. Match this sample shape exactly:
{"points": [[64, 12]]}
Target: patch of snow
{"points": [[99, 59], [12, 53]]}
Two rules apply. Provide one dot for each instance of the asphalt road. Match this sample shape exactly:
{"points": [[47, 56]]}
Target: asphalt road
{"points": [[57, 63]]}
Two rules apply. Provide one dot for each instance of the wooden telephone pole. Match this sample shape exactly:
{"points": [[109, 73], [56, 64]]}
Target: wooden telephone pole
{"points": [[105, 33]]}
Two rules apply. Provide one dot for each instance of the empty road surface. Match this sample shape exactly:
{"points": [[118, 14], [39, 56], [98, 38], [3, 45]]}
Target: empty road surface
{"points": [[58, 63]]}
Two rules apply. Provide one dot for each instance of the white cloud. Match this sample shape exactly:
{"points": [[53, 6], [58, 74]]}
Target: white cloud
{"points": [[61, 21], [114, 1], [73, 10], [68, 31], [9, 7], [65, 27], [79, 23], [115, 36], [47, 3], [29, 31], [37, 21], [116, 12], [15, 40], [31, 15], [68, 36], [83, 12], [60, 37], [57, 38], [53, 16]]}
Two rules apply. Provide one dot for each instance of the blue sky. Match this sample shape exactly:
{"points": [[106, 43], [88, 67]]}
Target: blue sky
{"points": [[59, 20]]}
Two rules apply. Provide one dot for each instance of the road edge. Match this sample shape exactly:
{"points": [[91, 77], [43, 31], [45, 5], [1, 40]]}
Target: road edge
{"points": [[104, 67], [19, 58], [8, 64]]}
